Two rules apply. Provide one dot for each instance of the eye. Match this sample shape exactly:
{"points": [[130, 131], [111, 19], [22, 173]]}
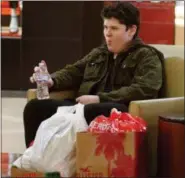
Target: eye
{"points": [[105, 27], [114, 28]]}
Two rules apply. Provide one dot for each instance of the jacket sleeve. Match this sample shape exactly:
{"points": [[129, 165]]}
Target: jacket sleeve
{"points": [[147, 81], [71, 76]]}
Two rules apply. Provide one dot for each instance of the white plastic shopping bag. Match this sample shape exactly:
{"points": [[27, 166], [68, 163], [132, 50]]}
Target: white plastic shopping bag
{"points": [[54, 145]]}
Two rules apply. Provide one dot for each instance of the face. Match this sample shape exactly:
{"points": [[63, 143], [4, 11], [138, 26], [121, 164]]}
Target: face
{"points": [[117, 36]]}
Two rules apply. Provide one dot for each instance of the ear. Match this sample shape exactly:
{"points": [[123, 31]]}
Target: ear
{"points": [[132, 30]]}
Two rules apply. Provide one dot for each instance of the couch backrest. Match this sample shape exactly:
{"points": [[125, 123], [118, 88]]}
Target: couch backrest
{"points": [[174, 69]]}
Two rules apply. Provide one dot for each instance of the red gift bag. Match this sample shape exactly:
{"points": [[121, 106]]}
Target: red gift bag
{"points": [[117, 123]]}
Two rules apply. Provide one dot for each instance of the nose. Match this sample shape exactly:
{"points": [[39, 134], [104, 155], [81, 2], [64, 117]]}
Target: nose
{"points": [[108, 33]]}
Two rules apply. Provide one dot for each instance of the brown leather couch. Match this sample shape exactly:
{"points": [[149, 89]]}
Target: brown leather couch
{"points": [[172, 101]]}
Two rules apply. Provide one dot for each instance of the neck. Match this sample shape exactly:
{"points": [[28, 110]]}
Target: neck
{"points": [[124, 48]]}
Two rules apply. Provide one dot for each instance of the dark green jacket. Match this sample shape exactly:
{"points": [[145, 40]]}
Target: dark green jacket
{"points": [[138, 74]]}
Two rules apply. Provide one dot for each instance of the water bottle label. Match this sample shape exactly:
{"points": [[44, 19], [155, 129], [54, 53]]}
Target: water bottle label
{"points": [[42, 77]]}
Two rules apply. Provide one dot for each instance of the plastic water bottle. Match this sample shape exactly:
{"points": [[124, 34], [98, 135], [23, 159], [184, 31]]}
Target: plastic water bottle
{"points": [[41, 78]]}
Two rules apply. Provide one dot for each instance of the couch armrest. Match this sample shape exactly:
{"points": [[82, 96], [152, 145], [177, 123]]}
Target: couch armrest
{"points": [[149, 110], [59, 95]]}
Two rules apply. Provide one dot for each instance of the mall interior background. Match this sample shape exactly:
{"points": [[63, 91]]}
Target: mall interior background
{"points": [[49, 30]]}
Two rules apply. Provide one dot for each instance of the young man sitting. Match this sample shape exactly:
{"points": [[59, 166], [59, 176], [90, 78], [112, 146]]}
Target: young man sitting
{"points": [[110, 76]]}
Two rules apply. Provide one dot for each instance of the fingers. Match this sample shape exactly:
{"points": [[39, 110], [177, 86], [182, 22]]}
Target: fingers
{"points": [[37, 69], [32, 80], [78, 99], [43, 61], [50, 83], [81, 100], [43, 64]]}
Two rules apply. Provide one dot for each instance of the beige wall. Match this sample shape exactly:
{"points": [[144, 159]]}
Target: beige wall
{"points": [[179, 35], [179, 24]]}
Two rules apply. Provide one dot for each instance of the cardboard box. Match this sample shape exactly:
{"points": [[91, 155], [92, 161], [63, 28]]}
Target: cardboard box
{"points": [[111, 155], [22, 173], [16, 172]]}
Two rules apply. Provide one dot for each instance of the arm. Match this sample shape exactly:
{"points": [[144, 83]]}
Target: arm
{"points": [[146, 82], [71, 76]]}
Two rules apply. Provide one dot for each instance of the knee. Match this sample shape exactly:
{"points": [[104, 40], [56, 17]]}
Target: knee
{"points": [[30, 108]]}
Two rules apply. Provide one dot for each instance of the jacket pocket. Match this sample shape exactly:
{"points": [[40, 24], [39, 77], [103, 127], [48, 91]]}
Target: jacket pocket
{"points": [[94, 69], [125, 73]]}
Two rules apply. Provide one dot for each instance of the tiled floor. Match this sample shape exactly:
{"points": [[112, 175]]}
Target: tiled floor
{"points": [[12, 125]]}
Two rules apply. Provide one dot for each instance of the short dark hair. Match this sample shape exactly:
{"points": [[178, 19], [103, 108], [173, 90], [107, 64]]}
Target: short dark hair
{"points": [[125, 12]]}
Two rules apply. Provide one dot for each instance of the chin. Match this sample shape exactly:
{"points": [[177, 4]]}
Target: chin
{"points": [[111, 49]]}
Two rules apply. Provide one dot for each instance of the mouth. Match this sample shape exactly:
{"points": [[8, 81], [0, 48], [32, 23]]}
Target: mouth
{"points": [[109, 42]]}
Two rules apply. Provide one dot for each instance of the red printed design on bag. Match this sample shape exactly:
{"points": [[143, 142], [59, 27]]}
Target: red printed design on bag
{"points": [[127, 123], [86, 169], [32, 174], [110, 146], [119, 164], [116, 123], [100, 124], [124, 165], [87, 172]]}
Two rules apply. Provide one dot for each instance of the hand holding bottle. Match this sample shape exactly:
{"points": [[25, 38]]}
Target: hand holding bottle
{"points": [[42, 79], [41, 74]]}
